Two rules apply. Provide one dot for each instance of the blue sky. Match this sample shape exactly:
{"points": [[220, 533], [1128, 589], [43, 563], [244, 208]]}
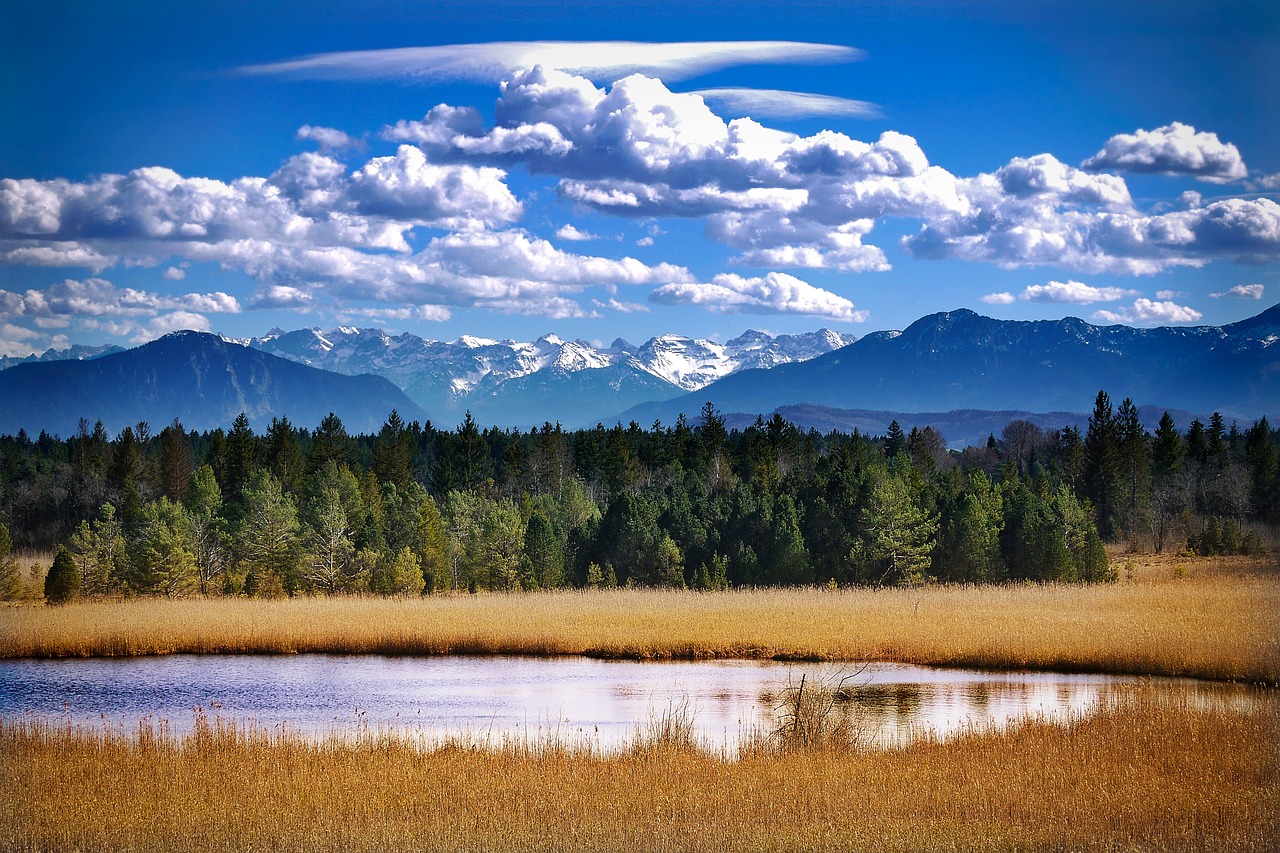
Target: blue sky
{"points": [[509, 169]]}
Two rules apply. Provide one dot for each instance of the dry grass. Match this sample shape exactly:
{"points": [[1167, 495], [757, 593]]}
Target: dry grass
{"points": [[1217, 620], [1148, 774]]}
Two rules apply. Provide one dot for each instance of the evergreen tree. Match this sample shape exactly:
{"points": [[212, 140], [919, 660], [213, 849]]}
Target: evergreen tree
{"points": [[1102, 465], [1169, 486], [330, 550], [898, 535], [543, 550], [207, 528], [894, 441], [393, 453], [329, 444], [285, 459], [1135, 471], [1263, 461], [62, 584], [10, 575], [267, 537], [164, 561], [175, 462]]}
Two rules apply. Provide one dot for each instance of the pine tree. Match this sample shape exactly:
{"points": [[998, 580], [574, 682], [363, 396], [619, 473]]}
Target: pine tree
{"points": [[393, 453], [1167, 482], [899, 536], [1102, 472], [62, 584], [1135, 471]]}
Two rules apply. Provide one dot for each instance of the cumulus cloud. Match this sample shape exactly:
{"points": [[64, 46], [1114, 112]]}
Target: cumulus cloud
{"points": [[1147, 312], [1175, 149], [174, 274], [96, 297], [774, 293], [1075, 293], [1241, 291], [98, 304], [1003, 298], [597, 60], [779, 103], [166, 323], [328, 138], [54, 254], [572, 234]]}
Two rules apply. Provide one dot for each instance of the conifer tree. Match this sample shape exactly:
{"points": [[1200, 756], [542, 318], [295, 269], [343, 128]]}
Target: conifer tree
{"points": [[62, 584]]}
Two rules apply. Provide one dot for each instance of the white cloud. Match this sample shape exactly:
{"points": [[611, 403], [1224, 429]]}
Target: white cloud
{"points": [[328, 138], [54, 254], [644, 241], [95, 297], [779, 103], [774, 293], [597, 60], [166, 323], [999, 298], [1147, 312], [1169, 294], [1241, 291], [15, 341], [572, 234], [432, 313], [1075, 293], [174, 274], [283, 296], [623, 307], [1175, 149]]}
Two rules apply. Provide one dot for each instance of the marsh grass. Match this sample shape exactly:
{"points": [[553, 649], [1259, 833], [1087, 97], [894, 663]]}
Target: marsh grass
{"points": [[1148, 772], [1220, 621]]}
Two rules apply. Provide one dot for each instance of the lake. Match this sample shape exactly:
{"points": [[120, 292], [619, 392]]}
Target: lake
{"points": [[602, 702]]}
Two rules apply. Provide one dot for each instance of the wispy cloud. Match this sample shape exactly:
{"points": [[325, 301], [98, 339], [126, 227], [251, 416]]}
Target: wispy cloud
{"points": [[779, 103], [597, 60]]}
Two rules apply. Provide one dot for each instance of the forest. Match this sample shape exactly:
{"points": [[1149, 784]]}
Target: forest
{"points": [[416, 509]]}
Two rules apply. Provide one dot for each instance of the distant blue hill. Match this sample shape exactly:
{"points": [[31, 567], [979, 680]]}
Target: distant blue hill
{"points": [[198, 378], [962, 360]]}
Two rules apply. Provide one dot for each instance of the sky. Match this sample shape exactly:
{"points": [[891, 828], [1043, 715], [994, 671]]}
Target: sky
{"points": [[603, 170]]}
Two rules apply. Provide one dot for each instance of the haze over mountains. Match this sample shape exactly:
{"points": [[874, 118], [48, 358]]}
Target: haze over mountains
{"points": [[957, 370]]}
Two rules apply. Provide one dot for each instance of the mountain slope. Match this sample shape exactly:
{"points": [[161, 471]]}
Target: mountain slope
{"points": [[962, 360], [199, 378]]}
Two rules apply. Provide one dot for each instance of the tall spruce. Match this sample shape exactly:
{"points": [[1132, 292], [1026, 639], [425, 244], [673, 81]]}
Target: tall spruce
{"points": [[1102, 465]]}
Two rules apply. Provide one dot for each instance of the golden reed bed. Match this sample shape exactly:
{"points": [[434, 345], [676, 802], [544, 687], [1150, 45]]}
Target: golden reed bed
{"points": [[1217, 620], [1150, 773]]}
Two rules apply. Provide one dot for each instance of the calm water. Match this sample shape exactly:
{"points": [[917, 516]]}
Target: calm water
{"points": [[574, 698]]}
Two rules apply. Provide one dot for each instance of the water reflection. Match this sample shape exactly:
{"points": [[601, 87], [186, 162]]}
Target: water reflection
{"points": [[576, 699]]}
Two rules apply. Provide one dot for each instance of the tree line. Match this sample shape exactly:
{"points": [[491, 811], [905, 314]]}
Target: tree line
{"points": [[416, 509]]}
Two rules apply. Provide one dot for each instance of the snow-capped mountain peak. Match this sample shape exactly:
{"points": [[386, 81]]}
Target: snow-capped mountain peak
{"points": [[448, 377]]}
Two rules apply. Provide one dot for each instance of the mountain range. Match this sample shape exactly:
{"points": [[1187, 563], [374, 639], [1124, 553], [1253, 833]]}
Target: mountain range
{"points": [[523, 384], [959, 369], [962, 360], [198, 378]]}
